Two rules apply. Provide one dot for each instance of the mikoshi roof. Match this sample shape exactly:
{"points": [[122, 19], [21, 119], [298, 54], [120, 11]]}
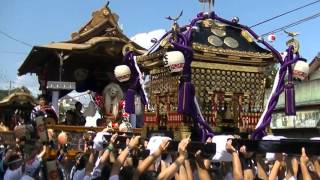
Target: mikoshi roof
{"points": [[215, 40]]}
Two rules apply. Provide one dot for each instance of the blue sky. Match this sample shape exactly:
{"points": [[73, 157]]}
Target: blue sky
{"points": [[43, 21]]}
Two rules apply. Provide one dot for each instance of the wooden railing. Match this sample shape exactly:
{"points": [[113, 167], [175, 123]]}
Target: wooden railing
{"points": [[75, 136], [8, 137], [82, 129]]}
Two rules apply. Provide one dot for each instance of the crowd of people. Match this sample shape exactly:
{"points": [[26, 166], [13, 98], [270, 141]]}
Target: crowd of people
{"points": [[139, 158], [75, 117], [115, 155]]}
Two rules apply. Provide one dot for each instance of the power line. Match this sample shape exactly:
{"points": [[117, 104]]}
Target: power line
{"points": [[15, 39], [275, 17], [292, 24]]}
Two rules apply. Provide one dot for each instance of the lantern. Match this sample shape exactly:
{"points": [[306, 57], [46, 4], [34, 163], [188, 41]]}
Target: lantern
{"points": [[62, 138], [301, 69], [174, 60], [271, 37], [122, 73]]}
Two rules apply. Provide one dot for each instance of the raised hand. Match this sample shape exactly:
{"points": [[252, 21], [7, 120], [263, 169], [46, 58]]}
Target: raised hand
{"points": [[164, 145], [304, 158], [243, 150], [230, 149], [182, 147], [113, 138], [134, 142]]}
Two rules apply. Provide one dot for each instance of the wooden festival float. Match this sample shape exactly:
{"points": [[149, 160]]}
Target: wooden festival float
{"points": [[88, 60], [229, 72], [14, 108], [205, 78]]}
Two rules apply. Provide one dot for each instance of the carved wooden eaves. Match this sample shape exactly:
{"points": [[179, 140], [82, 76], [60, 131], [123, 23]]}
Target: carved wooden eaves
{"points": [[104, 23]]}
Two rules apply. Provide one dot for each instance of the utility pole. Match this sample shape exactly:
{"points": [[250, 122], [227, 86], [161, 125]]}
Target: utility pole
{"points": [[10, 82]]}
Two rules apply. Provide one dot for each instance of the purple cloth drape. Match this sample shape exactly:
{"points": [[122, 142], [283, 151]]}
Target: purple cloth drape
{"points": [[284, 68], [186, 94], [135, 85]]}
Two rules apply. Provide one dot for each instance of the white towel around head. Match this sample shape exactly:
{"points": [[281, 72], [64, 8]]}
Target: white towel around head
{"points": [[98, 141], [221, 152], [154, 144]]}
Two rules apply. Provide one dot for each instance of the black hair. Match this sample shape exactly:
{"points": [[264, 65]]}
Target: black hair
{"points": [[13, 161], [82, 161], [70, 112], [246, 163], [105, 173], [42, 96], [78, 104], [149, 175], [126, 173], [99, 121]]}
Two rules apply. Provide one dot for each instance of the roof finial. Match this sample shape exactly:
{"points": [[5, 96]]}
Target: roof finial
{"points": [[175, 26], [107, 4], [175, 19]]}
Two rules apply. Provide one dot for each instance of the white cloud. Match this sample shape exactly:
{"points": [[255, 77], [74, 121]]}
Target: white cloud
{"points": [[29, 81], [144, 39]]}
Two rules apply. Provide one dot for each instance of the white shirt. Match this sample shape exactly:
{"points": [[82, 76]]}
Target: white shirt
{"points": [[114, 177], [79, 174], [221, 152], [26, 177], [87, 177], [38, 108], [13, 175]]}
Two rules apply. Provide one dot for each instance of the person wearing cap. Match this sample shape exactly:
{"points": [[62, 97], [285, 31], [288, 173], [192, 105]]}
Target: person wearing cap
{"points": [[14, 164]]}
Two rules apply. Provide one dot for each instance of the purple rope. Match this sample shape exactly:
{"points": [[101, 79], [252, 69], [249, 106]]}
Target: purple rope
{"points": [[272, 49], [186, 99], [289, 60], [135, 85], [183, 43], [285, 66]]}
